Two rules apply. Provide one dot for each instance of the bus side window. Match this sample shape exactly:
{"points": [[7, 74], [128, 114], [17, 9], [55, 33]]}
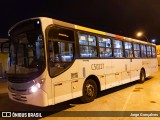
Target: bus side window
{"points": [[87, 45], [143, 51], [105, 47], [118, 48], [149, 54], [128, 49], [153, 52], [136, 49]]}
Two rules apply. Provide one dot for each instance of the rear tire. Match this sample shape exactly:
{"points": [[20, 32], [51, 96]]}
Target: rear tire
{"points": [[142, 76], [89, 91]]}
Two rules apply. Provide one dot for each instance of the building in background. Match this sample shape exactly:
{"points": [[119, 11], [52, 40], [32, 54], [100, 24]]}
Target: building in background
{"points": [[3, 56], [158, 53]]}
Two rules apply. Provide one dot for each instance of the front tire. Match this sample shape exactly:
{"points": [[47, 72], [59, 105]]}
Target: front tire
{"points": [[89, 91], [142, 76]]}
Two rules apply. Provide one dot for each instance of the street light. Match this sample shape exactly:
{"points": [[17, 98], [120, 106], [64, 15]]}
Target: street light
{"points": [[153, 40], [139, 34]]}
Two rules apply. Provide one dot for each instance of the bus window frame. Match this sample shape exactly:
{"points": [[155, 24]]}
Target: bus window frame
{"points": [[78, 45], [149, 51], [117, 39], [155, 51], [145, 50], [137, 50], [111, 43], [132, 49]]}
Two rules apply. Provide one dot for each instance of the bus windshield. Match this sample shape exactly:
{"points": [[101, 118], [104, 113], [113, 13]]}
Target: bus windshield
{"points": [[26, 49]]}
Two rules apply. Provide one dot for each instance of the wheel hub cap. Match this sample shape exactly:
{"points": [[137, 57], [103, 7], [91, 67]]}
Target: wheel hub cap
{"points": [[89, 90]]}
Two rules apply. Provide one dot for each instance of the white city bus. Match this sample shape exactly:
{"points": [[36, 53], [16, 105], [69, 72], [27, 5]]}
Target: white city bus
{"points": [[53, 61]]}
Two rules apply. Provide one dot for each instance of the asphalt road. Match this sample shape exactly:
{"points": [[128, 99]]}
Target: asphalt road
{"points": [[133, 97]]}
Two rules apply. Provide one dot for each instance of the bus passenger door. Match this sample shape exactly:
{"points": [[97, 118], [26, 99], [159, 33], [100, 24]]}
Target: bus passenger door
{"points": [[68, 85]]}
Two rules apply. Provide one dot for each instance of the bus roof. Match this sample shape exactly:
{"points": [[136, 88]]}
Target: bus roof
{"points": [[82, 28]]}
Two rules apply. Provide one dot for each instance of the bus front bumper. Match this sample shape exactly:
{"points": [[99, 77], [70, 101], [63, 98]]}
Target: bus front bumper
{"points": [[39, 98]]}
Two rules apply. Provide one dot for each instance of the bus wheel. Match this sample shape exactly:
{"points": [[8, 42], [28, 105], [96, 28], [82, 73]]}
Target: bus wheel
{"points": [[142, 76], [89, 91]]}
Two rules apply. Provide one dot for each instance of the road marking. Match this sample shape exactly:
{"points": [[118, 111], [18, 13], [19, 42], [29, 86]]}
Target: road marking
{"points": [[127, 101]]}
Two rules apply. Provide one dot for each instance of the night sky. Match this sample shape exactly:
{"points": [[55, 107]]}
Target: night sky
{"points": [[123, 17]]}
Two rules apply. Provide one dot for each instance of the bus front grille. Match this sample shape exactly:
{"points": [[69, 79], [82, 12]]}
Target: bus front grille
{"points": [[19, 97]]}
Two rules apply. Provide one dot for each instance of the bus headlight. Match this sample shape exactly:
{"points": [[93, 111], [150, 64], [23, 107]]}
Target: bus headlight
{"points": [[36, 86], [34, 89]]}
